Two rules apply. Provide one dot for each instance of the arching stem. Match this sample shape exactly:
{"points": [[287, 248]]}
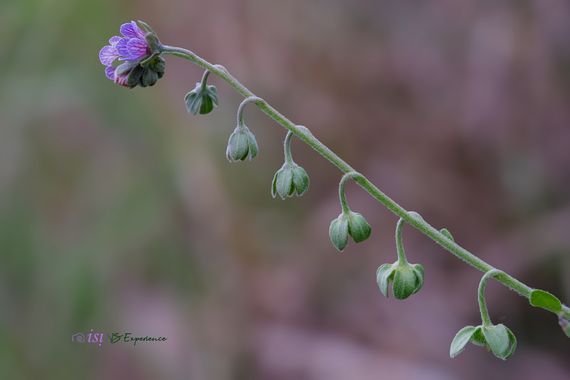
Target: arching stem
{"points": [[245, 102], [287, 148], [402, 260], [485, 318], [341, 191]]}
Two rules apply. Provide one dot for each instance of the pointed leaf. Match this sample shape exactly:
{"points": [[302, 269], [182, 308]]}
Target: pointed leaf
{"points": [[545, 300]]}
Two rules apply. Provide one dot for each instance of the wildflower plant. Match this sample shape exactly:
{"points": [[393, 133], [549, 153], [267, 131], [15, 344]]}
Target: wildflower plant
{"points": [[135, 58]]}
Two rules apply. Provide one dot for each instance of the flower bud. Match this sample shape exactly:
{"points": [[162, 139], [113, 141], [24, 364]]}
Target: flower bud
{"points": [[202, 99], [498, 339], [241, 145], [406, 279], [348, 223], [290, 180]]}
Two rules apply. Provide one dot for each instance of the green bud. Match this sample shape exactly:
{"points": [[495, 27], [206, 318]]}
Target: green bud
{"points": [[290, 180], [202, 99], [135, 76], [406, 279], [498, 339], [445, 232], [338, 232], [348, 223], [358, 227], [241, 145]]}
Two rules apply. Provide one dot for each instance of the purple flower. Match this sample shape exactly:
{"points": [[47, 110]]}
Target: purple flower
{"points": [[131, 47]]}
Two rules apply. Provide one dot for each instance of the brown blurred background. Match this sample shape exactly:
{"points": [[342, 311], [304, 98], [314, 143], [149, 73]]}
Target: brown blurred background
{"points": [[119, 212]]}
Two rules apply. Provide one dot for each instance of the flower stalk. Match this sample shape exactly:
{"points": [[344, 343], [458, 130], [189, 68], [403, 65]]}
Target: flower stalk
{"points": [[306, 136]]}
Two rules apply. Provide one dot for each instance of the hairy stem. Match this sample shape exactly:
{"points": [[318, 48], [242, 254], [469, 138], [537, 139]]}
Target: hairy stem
{"points": [[306, 136], [245, 102], [287, 148], [342, 192], [402, 260], [485, 318], [204, 80]]}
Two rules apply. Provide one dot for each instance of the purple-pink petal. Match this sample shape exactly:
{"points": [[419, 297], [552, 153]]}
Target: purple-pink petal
{"points": [[122, 48], [110, 72], [114, 40], [137, 48], [108, 54], [131, 30]]}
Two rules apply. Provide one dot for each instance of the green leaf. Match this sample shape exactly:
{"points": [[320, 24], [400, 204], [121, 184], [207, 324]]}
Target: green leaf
{"points": [[445, 232], [545, 300], [462, 338]]}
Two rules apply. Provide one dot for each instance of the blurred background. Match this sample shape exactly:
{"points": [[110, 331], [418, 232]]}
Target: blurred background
{"points": [[120, 213]]}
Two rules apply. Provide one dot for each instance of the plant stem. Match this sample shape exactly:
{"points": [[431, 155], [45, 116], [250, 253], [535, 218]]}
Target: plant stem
{"points": [[342, 192], [402, 260], [306, 136], [485, 318], [204, 81], [245, 102], [287, 148]]}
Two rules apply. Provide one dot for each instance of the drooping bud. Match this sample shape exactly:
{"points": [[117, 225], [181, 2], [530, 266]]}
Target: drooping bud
{"points": [[241, 145], [290, 180], [498, 339], [203, 98], [406, 279], [348, 223]]}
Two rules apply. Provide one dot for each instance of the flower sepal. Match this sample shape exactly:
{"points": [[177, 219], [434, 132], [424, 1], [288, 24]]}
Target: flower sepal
{"points": [[242, 144], [406, 279], [498, 339], [202, 99], [348, 223], [291, 180]]}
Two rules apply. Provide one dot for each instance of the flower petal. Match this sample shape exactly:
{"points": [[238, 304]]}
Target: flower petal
{"points": [[137, 48], [122, 48], [129, 29], [114, 40], [108, 54], [110, 72]]}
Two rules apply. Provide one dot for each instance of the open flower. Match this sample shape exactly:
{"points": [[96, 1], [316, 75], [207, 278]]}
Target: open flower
{"points": [[137, 50]]}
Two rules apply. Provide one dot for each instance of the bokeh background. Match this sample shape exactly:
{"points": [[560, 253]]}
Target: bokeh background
{"points": [[119, 211]]}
